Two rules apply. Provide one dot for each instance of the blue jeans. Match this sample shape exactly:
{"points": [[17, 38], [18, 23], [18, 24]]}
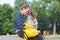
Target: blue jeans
{"points": [[20, 34], [38, 37]]}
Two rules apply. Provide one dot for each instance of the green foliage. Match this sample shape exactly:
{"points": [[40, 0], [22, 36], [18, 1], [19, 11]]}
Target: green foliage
{"points": [[19, 3], [48, 12], [6, 22], [7, 14], [42, 16]]}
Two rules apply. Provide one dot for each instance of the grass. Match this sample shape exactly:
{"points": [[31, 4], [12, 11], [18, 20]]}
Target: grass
{"points": [[52, 37]]}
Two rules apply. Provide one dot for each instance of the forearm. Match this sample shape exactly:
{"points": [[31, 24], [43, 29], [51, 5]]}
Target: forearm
{"points": [[36, 26]]}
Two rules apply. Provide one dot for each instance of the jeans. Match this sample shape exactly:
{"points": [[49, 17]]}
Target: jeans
{"points": [[38, 37], [20, 34]]}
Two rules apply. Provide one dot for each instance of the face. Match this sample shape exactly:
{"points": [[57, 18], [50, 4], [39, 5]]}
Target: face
{"points": [[32, 17], [26, 11]]}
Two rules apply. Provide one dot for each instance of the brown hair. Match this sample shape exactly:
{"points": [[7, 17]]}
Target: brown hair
{"points": [[33, 13], [25, 6]]}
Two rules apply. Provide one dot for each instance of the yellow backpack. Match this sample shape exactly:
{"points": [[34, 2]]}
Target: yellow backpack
{"points": [[27, 24], [29, 31]]}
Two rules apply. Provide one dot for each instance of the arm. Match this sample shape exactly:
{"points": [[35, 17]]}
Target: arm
{"points": [[36, 24], [18, 23]]}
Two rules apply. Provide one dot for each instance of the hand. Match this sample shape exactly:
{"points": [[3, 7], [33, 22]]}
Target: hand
{"points": [[29, 27]]}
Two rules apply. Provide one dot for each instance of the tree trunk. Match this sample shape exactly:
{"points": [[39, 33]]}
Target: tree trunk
{"points": [[54, 28]]}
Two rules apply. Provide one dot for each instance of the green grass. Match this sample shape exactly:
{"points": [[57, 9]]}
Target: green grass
{"points": [[52, 37]]}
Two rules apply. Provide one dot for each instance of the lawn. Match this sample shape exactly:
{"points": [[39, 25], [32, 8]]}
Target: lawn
{"points": [[52, 37]]}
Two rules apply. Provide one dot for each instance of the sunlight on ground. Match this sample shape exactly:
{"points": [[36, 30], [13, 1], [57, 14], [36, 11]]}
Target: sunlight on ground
{"points": [[52, 37], [15, 37]]}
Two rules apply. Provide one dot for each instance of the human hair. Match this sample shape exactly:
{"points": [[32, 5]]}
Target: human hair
{"points": [[33, 13], [25, 6]]}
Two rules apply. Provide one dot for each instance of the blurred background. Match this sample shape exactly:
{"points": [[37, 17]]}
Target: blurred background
{"points": [[48, 15]]}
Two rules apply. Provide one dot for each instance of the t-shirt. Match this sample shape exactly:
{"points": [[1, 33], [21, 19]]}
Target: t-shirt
{"points": [[33, 22]]}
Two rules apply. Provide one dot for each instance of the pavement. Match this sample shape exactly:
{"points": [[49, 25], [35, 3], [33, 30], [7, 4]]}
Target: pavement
{"points": [[10, 37], [15, 37]]}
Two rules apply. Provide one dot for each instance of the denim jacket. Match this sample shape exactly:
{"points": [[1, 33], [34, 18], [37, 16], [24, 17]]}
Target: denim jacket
{"points": [[19, 21]]}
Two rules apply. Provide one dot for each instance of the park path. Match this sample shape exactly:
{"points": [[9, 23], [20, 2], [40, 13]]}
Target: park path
{"points": [[10, 37]]}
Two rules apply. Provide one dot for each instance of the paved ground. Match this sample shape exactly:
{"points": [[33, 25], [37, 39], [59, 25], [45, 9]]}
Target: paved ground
{"points": [[15, 37], [10, 37]]}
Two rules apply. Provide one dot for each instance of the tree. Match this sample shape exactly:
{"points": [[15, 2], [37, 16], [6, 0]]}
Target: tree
{"points": [[54, 10], [48, 10], [1, 21], [42, 18], [6, 23], [19, 3]]}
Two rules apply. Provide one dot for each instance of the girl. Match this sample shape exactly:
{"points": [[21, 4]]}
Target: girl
{"points": [[31, 22], [32, 19]]}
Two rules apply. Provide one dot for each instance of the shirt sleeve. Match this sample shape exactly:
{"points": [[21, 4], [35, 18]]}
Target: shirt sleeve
{"points": [[36, 22], [18, 24]]}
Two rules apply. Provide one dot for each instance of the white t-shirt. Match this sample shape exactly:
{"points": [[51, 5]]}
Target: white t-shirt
{"points": [[33, 22]]}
